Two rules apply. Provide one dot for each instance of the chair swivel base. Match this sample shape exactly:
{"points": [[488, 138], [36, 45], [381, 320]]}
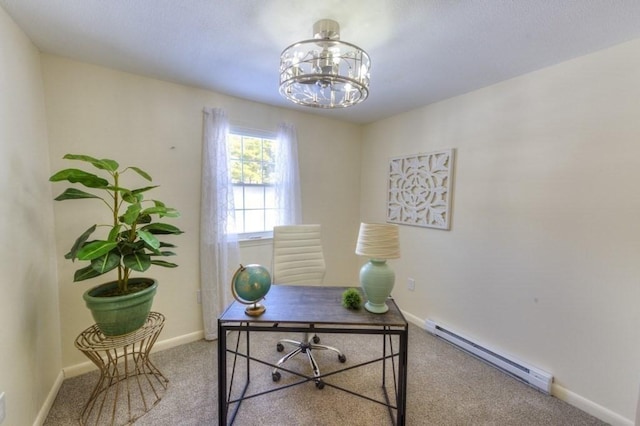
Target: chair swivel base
{"points": [[305, 347]]}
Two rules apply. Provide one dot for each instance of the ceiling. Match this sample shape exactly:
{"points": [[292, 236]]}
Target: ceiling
{"points": [[422, 51]]}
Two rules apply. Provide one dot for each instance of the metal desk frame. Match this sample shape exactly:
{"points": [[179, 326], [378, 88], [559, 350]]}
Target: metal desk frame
{"points": [[294, 309]]}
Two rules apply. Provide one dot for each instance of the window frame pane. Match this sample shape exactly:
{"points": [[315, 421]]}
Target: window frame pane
{"points": [[245, 185]]}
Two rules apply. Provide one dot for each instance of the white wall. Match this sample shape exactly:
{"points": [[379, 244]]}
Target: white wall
{"points": [[543, 257], [30, 360], [158, 126], [540, 261]]}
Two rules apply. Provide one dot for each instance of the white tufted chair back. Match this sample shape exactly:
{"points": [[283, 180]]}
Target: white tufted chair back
{"points": [[297, 255]]}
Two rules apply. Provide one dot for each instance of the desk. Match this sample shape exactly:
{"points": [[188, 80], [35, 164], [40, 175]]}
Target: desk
{"points": [[127, 376], [294, 309]]}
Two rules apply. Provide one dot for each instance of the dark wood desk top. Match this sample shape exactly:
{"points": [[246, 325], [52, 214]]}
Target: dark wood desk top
{"points": [[313, 304]]}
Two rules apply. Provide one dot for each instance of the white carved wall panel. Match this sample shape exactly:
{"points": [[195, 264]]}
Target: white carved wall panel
{"points": [[420, 189]]}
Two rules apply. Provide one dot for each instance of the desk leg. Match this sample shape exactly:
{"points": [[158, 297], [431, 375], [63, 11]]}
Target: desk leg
{"points": [[248, 343], [402, 379], [399, 381], [222, 375], [225, 389]]}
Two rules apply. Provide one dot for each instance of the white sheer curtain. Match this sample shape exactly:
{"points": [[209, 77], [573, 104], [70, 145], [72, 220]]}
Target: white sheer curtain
{"points": [[219, 255], [287, 177]]}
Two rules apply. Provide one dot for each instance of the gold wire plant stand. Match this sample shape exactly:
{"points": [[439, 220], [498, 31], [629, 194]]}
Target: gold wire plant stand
{"points": [[128, 378]]}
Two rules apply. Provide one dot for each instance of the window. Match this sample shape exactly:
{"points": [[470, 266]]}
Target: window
{"points": [[252, 168]]}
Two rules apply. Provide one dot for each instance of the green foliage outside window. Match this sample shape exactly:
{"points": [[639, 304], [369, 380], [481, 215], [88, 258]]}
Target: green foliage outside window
{"points": [[252, 160]]}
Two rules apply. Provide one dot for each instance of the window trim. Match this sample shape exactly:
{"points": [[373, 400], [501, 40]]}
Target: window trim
{"points": [[251, 132], [255, 236]]}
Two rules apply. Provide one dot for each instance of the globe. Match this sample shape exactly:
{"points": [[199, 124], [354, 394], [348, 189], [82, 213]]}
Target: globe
{"points": [[249, 285]]}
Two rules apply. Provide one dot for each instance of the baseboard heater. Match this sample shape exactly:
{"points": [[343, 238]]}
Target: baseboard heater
{"points": [[532, 376]]}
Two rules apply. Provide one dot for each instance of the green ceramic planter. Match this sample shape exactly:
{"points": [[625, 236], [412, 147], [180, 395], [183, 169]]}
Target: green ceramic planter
{"points": [[118, 315]]}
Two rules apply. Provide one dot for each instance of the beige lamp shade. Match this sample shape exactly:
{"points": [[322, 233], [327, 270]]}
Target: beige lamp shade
{"points": [[378, 241]]}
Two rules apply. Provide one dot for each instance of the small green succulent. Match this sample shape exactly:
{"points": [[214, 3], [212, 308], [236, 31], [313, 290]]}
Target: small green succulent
{"points": [[351, 299]]}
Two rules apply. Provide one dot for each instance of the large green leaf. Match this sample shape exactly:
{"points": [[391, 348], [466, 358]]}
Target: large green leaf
{"points": [[145, 189], [132, 213], [162, 211], [95, 249], [85, 273], [164, 263], [149, 238], [117, 188], [73, 253], [113, 234], [106, 263], [80, 176], [130, 197], [127, 247], [141, 173], [169, 212], [104, 164], [137, 261], [143, 218], [157, 252], [75, 194], [161, 228]]}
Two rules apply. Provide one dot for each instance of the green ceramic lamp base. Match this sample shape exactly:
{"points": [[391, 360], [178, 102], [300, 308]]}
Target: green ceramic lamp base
{"points": [[377, 280], [376, 308]]}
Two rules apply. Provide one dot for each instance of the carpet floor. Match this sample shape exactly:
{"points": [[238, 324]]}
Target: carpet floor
{"points": [[446, 386]]}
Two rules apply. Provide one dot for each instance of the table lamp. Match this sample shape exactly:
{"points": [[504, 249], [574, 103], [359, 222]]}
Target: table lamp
{"points": [[378, 242]]}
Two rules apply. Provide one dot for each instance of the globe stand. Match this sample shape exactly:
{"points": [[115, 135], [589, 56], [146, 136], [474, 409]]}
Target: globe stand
{"points": [[255, 310]]}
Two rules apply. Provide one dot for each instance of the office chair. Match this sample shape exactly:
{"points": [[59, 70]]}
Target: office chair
{"points": [[298, 259]]}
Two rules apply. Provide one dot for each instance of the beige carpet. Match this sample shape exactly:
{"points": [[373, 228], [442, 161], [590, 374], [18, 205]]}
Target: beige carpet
{"points": [[445, 387]]}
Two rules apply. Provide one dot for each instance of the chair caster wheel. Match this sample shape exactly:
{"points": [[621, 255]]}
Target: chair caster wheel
{"points": [[316, 339], [320, 384], [280, 347], [342, 358], [276, 376]]}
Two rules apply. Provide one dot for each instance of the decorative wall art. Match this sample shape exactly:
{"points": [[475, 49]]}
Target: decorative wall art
{"points": [[420, 189]]}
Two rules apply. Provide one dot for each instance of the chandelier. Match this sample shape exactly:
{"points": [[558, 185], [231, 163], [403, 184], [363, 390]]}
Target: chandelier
{"points": [[325, 72]]}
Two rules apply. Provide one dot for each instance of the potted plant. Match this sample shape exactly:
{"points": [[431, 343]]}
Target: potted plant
{"points": [[129, 243]]}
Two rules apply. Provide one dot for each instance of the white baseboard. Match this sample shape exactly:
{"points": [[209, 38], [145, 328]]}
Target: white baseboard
{"points": [[177, 341], [589, 407], [413, 319], [85, 367], [48, 402]]}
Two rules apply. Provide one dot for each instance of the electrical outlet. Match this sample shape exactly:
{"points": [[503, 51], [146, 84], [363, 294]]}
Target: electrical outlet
{"points": [[411, 284], [199, 297], [3, 411]]}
